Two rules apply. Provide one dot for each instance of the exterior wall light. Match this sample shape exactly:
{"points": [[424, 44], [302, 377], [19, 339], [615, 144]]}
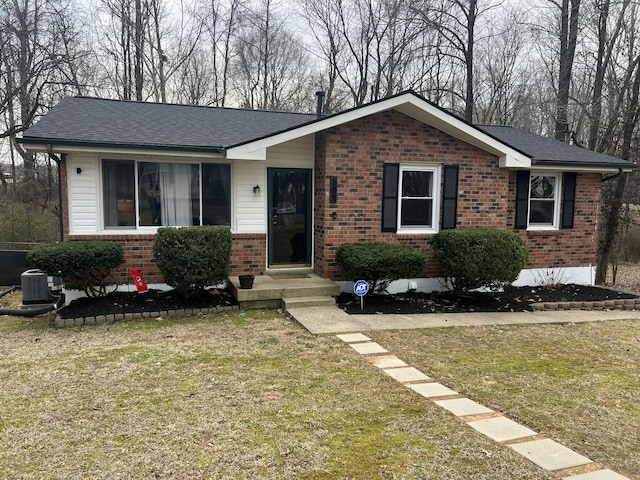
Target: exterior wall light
{"points": [[256, 190]]}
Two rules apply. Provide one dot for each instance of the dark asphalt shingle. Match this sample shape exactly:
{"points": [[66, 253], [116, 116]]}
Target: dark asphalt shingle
{"points": [[548, 151], [122, 123], [117, 123]]}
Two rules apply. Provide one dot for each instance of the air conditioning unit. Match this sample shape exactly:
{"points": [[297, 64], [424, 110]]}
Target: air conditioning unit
{"points": [[35, 288]]}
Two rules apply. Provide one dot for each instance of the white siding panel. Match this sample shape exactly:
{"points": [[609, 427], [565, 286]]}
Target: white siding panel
{"points": [[250, 216], [83, 193], [298, 153]]}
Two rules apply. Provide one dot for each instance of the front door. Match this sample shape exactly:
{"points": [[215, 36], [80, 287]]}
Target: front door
{"points": [[289, 191]]}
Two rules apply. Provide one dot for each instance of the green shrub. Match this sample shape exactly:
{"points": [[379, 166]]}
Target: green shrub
{"points": [[379, 263], [193, 258], [473, 258], [84, 265]]}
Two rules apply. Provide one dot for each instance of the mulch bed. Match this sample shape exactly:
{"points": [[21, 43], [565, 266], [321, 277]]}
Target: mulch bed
{"points": [[512, 299], [151, 301]]}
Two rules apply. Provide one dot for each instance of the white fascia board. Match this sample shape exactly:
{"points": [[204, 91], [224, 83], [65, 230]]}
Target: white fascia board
{"points": [[437, 118], [585, 169], [408, 104], [38, 147]]}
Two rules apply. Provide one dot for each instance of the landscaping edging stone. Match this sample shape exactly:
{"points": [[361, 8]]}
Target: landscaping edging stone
{"points": [[108, 319], [624, 304]]}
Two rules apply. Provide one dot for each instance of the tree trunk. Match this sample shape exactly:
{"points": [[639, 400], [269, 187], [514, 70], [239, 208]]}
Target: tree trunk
{"points": [[139, 38], [568, 39], [612, 219]]}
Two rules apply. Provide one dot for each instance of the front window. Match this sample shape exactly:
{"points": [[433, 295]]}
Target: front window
{"points": [[146, 194], [418, 205], [543, 201]]}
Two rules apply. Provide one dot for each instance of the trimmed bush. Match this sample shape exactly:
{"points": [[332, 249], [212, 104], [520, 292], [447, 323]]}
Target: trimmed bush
{"points": [[473, 258], [193, 258], [379, 263], [84, 265]]}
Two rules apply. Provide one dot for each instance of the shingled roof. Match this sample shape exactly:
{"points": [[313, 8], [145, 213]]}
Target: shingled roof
{"points": [[100, 122], [545, 151], [94, 122]]}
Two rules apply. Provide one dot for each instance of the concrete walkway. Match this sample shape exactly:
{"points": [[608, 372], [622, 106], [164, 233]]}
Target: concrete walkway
{"points": [[546, 453], [333, 320]]}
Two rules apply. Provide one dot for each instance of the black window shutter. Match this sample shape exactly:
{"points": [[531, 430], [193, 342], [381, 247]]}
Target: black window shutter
{"points": [[522, 199], [390, 197], [450, 196], [568, 198]]}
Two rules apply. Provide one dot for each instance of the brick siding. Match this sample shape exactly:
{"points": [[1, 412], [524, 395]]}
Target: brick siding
{"points": [[356, 152]]}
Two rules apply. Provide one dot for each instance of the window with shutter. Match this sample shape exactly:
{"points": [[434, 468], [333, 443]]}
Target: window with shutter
{"points": [[410, 199]]}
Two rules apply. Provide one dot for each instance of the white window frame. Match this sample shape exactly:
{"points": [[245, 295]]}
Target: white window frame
{"points": [[136, 161], [556, 202], [435, 204]]}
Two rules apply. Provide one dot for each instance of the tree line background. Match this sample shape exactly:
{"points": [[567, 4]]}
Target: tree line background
{"points": [[568, 69]]}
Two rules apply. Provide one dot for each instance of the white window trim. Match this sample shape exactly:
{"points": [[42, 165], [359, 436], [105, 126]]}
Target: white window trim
{"points": [[435, 169], [153, 229], [556, 202]]}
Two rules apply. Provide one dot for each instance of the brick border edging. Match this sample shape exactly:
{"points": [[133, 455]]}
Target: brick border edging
{"points": [[112, 318], [620, 304]]}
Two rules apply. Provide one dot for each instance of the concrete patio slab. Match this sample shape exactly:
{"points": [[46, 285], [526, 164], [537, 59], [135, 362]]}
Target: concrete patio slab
{"points": [[605, 474], [353, 337], [432, 389], [368, 348], [387, 361], [549, 454], [406, 374], [462, 407], [502, 429]]}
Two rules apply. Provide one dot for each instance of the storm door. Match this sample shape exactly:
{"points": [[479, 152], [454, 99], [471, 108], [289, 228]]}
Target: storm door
{"points": [[289, 197]]}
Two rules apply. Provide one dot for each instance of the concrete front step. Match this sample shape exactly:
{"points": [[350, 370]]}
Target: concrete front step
{"points": [[268, 292], [316, 301]]}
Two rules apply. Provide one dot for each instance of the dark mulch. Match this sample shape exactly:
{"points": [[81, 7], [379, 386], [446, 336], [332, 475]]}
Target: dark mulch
{"points": [[513, 299], [151, 301]]}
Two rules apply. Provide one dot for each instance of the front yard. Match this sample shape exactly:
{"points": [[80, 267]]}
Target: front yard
{"points": [[255, 396]]}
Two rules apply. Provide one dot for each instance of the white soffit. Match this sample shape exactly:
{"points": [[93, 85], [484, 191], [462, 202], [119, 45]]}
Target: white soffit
{"points": [[408, 104]]}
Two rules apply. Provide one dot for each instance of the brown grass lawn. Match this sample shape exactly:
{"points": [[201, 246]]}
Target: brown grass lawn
{"points": [[219, 397], [578, 384], [256, 396]]}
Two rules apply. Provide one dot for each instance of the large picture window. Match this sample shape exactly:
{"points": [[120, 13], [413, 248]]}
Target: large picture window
{"points": [[145, 194]]}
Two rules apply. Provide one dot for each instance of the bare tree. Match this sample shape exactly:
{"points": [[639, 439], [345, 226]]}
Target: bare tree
{"points": [[503, 90], [618, 137], [569, 13], [606, 45], [37, 62], [271, 66], [220, 24]]}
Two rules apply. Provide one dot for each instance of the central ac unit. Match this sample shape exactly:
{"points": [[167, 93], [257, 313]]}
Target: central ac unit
{"points": [[35, 288]]}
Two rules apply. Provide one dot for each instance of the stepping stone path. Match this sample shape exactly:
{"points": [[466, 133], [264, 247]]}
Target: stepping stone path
{"points": [[544, 452]]}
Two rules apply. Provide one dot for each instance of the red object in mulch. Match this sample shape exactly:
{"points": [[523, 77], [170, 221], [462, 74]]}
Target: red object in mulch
{"points": [[138, 279]]}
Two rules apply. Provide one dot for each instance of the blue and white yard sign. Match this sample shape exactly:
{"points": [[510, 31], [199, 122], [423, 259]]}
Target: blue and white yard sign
{"points": [[360, 288]]}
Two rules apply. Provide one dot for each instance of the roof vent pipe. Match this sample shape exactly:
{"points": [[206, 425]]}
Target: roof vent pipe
{"points": [[320, 95]]}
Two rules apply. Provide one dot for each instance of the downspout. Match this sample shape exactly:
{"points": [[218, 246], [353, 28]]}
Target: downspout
{"points": [[612, 176], [58, 161]]}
